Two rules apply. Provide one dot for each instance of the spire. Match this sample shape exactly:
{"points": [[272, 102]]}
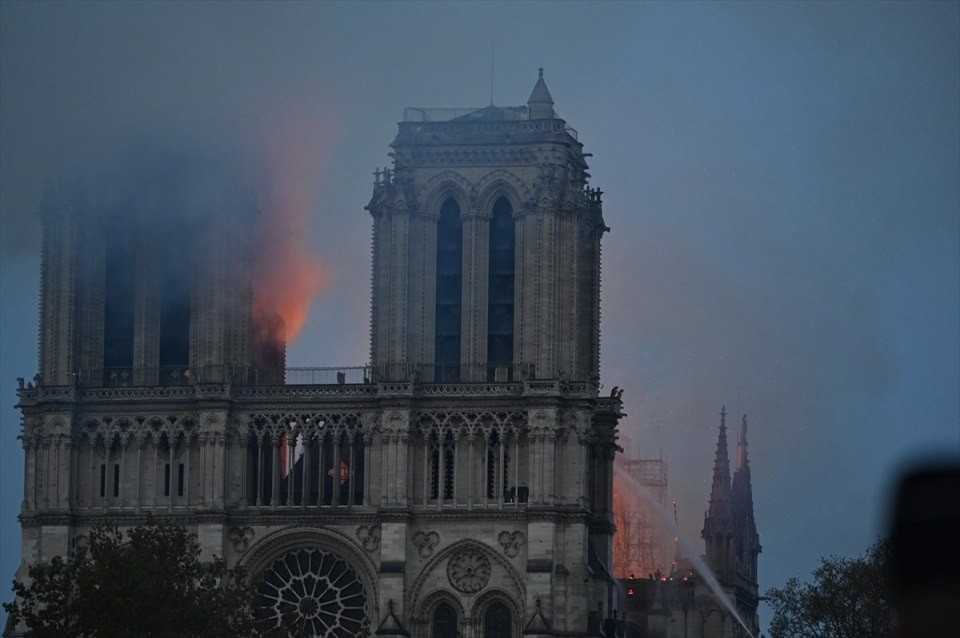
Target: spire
{"points": [[540, 103], [720, 492], [744, 523], [742, 445], [742, 489], [678, 558]]}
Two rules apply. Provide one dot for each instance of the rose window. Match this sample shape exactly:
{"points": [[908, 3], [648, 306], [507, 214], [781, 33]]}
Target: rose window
{"points": [[468, 572], [312, 593]]}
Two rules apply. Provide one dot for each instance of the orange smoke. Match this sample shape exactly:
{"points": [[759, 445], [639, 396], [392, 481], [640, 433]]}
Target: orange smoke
{"points": [[287, 275], [638, 545]]}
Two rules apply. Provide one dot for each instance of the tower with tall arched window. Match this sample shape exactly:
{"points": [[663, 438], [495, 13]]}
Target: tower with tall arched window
{"points": [[485, 317], [460, 484]]}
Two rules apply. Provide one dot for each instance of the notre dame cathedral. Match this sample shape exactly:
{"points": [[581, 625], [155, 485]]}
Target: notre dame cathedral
{"points": [[459, 484]]}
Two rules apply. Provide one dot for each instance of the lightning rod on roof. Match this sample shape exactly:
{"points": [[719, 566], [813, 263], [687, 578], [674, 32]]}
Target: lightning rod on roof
{"points": [[492, 49]]}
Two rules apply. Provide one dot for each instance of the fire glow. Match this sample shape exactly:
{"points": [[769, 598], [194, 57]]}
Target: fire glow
{"points": [[620, 559], [288, 276]]}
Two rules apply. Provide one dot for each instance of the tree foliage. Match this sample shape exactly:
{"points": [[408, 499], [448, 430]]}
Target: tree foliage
{"points": [[147, 582], [848, 598]]}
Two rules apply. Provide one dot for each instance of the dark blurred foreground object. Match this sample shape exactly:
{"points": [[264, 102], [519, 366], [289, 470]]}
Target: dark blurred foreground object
{"points": [[926, 550]]}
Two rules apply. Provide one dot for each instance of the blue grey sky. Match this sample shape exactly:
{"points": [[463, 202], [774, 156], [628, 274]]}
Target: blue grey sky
{"points": [[782, 183]]}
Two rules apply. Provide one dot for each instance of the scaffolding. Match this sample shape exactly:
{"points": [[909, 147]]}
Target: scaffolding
{"points": [[641, 545]]}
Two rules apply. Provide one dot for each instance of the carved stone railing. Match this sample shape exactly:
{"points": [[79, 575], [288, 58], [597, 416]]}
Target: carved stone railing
{"points": [[302, 391], [179, 393], [340, 375], [401, 380], [166, 376], [395, 389], [548, 386], [451, 389]]}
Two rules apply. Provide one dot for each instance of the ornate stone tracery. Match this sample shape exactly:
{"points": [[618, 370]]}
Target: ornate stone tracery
{"points": [[369, 537], [315, 590], [468, 571], [241, 537], [425, 542], [511, 542]]}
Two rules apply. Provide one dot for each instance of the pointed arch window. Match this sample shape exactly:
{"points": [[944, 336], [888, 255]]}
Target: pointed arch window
{"points": [[444, 622], [498, 466], [442, 465], [174, 295], [500, 292], [449, 283], [118, 312], [497, 622]]}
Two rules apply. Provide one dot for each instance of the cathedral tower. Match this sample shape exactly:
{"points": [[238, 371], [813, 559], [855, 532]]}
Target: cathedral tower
{"points": [[149, 281], [487, 248], [460, 485], [486, 271]]}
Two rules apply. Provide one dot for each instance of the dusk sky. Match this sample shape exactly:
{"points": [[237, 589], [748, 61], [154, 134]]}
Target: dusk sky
{"points": [[781, 180]]}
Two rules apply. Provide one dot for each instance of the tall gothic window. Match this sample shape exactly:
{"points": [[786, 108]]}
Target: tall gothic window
{"points": [[444, 623], [497, 622], [442, 465], [498, 464], [118, 312], [500, 292], [449, 281], [174, 354]]}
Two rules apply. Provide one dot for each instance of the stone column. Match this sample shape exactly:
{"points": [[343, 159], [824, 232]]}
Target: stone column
{"points": [[29, 471], [275, 450], [369, 498], [404, 469], [139, 502], [58, 298], [418, 241]]}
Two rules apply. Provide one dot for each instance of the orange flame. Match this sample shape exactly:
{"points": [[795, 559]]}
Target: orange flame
{"points": [[287, 275]]}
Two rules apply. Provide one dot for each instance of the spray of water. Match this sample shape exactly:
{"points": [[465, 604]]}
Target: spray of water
{"points": [[691, 552]]}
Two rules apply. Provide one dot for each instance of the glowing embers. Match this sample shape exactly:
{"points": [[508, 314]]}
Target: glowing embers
{"points": [[312, 593]]}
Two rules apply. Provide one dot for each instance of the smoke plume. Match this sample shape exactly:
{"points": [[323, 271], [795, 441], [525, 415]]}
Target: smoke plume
{"points": [[287, 275]]}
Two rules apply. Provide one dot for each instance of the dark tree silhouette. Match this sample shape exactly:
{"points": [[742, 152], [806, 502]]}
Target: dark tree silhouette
{"points": [[148, 582], [848, 598]]}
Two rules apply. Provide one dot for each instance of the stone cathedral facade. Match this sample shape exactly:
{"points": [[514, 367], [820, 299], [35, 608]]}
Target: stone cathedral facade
{"points": [[459, 485]]}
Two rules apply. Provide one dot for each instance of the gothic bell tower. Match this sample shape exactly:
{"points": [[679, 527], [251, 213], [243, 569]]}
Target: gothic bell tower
{"points": [[487, 248], [147, 280], [486, 297]]}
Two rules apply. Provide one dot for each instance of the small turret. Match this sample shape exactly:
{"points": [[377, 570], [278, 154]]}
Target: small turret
{"points": [[540, 103]]}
